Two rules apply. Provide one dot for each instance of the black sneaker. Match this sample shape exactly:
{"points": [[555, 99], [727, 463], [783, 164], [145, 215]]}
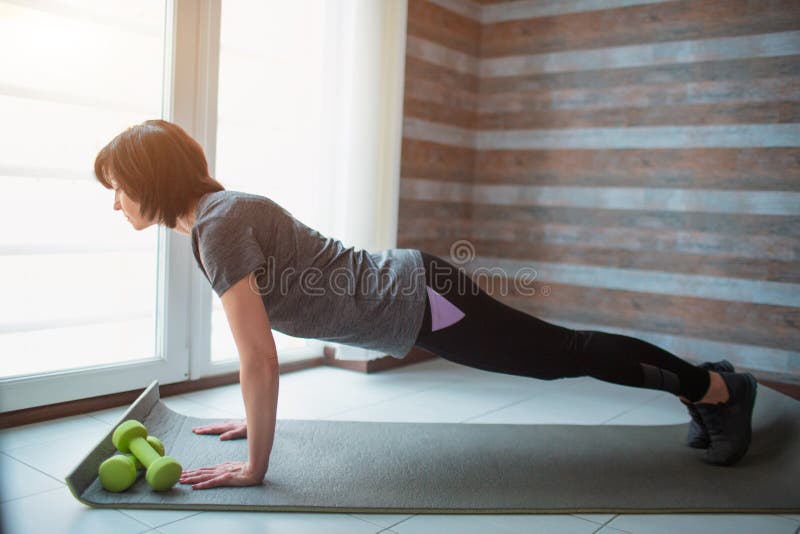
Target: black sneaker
{"points": [[729, 423], [698, 435]]}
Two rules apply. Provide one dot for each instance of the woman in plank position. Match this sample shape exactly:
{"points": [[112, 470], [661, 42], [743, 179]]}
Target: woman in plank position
{"points": [[258, 258]]}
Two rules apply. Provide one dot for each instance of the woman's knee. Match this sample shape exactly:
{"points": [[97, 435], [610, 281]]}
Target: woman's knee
{"points": [[559, 353]]}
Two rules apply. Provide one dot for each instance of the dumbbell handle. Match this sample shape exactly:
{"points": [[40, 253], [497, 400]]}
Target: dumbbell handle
{"points": [[143, 451]]}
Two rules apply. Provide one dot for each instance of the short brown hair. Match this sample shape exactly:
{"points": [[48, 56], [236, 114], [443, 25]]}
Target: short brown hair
{"points": [[157, 164]]}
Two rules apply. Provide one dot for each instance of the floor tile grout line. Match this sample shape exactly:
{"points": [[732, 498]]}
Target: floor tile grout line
{"points": [[98, 419], [44, 442], [373, 404], [163, 525], [620, 530], [383, 529], [612, 518], [607, 524], [655, 398], [165, 400], [354, 516], [48, 475], [45, 430], [503, 407], [595, 523], [33, 495], [543, 393], [147, 527], [402, 521], [414, 393], [228, 413], [377, 525], [598, 525], [52, 439]]}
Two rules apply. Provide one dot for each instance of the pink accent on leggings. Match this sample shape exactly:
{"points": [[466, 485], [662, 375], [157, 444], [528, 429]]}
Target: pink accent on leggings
{"points": [[443, 312]]}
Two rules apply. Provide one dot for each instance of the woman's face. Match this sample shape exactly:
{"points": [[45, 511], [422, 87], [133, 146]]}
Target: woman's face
{"points": [[128, 206]]}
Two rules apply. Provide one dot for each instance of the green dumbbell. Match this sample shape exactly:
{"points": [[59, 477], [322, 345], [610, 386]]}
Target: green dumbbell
{"points": [[157, 446], [118, 473], [163, 472]]}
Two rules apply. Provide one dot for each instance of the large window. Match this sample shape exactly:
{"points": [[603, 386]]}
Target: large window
{"points": [[78, 285]]}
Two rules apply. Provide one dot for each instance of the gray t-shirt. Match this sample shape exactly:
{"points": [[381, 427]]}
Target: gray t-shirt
{"points": [[312, 286]]}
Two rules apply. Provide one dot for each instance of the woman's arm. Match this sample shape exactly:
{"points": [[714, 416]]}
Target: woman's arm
{"points": [[258, 369], [260, 392], [258, 375]]}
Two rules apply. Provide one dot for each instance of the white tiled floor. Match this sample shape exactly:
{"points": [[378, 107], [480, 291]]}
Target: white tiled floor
{"points": [[35, 459]]}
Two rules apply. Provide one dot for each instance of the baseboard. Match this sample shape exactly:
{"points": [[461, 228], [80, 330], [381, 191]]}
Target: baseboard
{"points": [[380, 364], [791, 390]]}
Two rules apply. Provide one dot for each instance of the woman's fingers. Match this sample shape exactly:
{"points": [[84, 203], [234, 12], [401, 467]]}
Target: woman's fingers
{"points": [[235, 433], [205, 481], [220, 427], [212, 482], [209, 469], [196, 478], [225, 474], [198, 473], [214, 428]]}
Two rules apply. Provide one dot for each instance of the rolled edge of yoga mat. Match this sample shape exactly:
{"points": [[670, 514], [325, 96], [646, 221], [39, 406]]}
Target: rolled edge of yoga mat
{"points": [[86, 471]]}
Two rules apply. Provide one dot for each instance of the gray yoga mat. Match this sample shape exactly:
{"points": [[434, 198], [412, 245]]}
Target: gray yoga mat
{"points": [[363, 467]]}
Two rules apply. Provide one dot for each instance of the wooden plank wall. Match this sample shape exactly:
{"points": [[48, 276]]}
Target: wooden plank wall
{"points": [[441, 89], [643, 156]]}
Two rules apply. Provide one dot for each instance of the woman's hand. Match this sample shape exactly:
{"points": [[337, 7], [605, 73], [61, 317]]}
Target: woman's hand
{"points": [[228, 429], [227, 474]]}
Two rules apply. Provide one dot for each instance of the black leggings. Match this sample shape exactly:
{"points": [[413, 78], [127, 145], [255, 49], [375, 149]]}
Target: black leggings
{"points": [[498, 338]]}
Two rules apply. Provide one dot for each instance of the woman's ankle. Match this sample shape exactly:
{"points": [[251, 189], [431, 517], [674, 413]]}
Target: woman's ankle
{"points": [[717, 390]]}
